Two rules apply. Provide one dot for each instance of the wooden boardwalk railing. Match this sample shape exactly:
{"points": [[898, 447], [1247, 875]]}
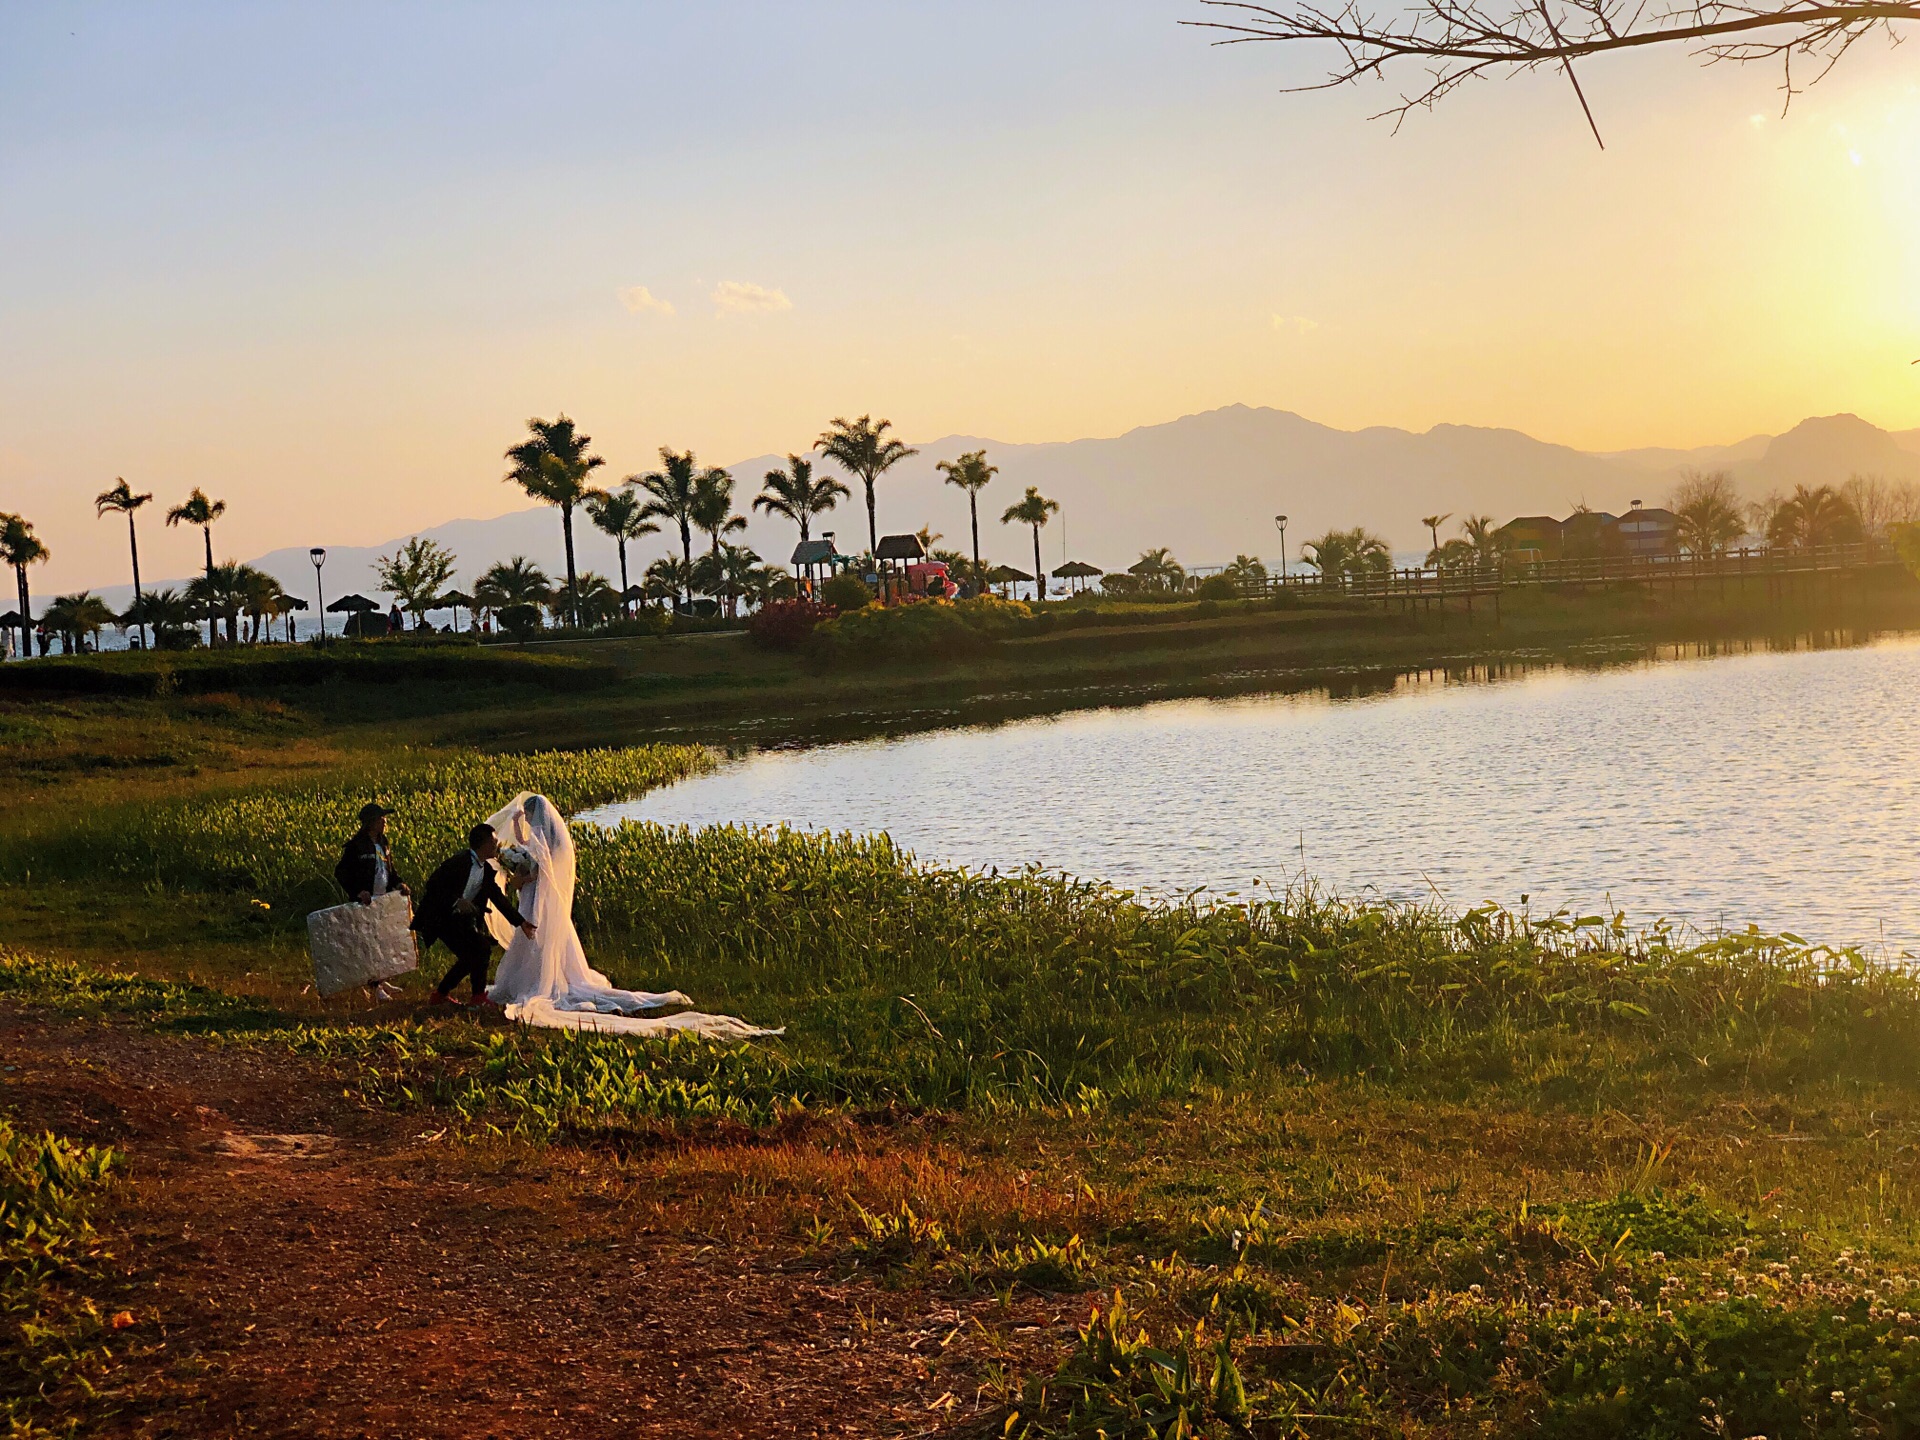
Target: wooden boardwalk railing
{"points": [[1414, 586]]}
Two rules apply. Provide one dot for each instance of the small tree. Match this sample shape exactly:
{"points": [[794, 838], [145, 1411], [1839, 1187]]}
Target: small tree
{"points": [[1814, 516], [674, 492], [1706, 512], [416, 574]]}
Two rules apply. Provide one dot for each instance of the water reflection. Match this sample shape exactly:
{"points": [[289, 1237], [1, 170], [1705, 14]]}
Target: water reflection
{"points": [[1729, 783]]}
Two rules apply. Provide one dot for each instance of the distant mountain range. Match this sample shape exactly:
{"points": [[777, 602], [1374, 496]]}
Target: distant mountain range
{"points": [[1207, 486]]}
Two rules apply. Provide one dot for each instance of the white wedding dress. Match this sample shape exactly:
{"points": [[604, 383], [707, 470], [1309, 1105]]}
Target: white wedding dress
{"points": [[544, 979]]}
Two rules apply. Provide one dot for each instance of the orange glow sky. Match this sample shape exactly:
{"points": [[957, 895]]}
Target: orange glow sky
{"points": [[324, 259]]}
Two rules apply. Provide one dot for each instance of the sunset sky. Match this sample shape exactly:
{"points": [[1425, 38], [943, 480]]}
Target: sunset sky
{"points": [[324, 259]]}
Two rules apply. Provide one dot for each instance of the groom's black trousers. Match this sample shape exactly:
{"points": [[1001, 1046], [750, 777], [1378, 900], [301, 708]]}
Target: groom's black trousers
{"points": [[472, 951]]}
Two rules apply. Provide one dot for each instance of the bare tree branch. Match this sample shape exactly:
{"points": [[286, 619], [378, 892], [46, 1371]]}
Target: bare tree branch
{"points": [[1454, 41]]}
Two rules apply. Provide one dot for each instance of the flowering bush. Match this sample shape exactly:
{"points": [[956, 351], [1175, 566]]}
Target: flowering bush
{"points": [[785, 624]]}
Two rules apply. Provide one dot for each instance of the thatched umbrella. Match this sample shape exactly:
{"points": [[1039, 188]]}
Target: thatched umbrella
{"points": [[350, 605], [1078, 570], [1006, 575], [454, 600]]}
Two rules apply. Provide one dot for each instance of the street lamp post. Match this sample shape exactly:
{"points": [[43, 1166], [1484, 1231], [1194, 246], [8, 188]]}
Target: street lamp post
{"points": [[1280, 523], [319, 558]]}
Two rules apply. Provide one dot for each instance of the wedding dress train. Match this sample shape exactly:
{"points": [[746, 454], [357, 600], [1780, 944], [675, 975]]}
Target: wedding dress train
{"points": [[544, 979]]}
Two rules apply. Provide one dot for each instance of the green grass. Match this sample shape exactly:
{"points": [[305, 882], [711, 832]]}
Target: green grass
{"points": [[1480, 1174], [50, 1256]]}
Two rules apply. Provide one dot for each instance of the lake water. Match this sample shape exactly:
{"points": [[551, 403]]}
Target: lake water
{"points": [[1779, 789]]}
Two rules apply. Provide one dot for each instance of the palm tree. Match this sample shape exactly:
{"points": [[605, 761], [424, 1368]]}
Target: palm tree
{"points": [[221, 593], [621, 514], [767, 583], [165, 612], [1706, 512], [261, 600], [1814, 516], [20, 547], [668, 578], [1033, 509], [1343, 555], [598, 601], [1484, 535], [673, 490], [1156, 569], [552, 465], [712, 509], [197, 509], [122, 499], [739, 567], [1433, 524], [971, 473], [797, 493], [862, 449], [71, 616], [513, 582]]}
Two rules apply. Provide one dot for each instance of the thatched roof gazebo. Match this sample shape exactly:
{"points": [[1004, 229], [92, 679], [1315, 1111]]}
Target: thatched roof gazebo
{"points": [[1078, 572]]}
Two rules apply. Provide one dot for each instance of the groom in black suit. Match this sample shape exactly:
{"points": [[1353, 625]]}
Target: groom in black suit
{"points": [[453, 910]]}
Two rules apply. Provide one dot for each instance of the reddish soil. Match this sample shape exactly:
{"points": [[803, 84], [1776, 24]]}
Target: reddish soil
{"points": [[298, 1264]]}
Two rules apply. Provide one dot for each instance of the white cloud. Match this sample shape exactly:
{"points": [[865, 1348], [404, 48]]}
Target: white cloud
{"points": [[1295, 324], [641, 301], [743, 297]]}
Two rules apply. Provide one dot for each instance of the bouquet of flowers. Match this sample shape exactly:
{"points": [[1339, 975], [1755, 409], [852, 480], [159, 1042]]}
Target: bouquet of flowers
{"points": [[517, 861]]}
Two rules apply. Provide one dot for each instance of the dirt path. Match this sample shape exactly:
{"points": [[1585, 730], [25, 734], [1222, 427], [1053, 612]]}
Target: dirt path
{"points": [[300, 1265]]}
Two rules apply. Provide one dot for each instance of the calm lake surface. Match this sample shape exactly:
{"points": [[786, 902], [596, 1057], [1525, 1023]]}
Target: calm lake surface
{"points": [[1779, 789]]}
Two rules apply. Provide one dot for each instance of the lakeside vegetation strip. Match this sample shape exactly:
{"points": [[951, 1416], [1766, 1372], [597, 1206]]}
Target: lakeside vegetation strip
{"points": [[934, 988]]}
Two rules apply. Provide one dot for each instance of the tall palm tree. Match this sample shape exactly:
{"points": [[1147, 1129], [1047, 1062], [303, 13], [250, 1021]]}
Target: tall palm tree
{"points": [[197, 509], [122, 499], [1033, 509], [20, 547], [673, 489], [621, 514], [1433, 524], [712, 512], [1813, 516], [797, 493], [971, 473], [863, 449], [552, 465]]}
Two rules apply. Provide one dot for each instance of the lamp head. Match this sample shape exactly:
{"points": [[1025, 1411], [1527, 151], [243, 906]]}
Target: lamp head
{"points": [[1281, 521], [318, 556]]}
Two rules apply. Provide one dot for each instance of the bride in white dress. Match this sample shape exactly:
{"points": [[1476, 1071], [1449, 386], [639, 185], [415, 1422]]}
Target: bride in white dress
{"points": [[544, 978]]}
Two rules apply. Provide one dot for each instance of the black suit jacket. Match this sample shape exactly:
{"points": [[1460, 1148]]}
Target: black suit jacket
{"points": [[355, 870], [434, 917]]}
